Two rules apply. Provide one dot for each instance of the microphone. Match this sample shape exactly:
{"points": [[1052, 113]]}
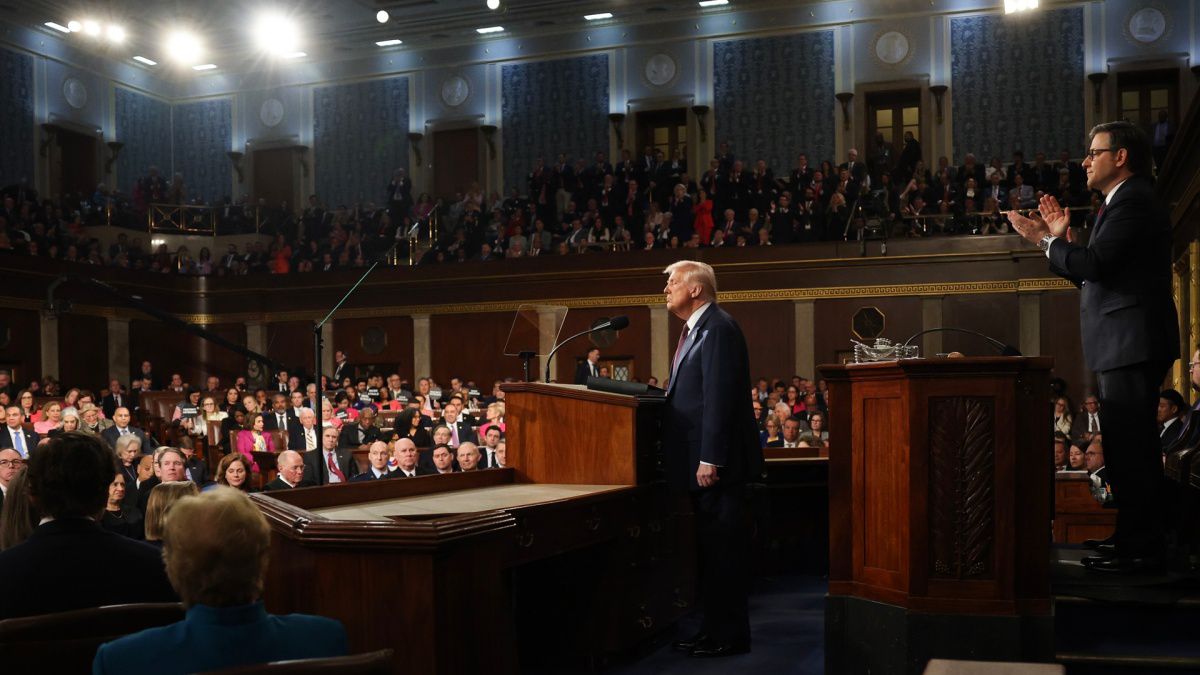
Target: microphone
{"points": [[615, 323], [1005, 350]]}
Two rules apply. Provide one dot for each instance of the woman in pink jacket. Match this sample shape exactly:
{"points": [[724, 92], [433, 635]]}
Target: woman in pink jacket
{"points": [[252, 439]]}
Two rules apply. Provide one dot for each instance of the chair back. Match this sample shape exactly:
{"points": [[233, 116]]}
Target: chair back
{"points": [[372, 663], [66, 642]]}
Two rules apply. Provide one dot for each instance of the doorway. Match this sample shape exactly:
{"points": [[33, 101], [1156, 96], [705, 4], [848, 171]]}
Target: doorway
{"points": [[73, 164], [663, 130], [455, 162], [274, 177], [890, 113], [1144, 94]]}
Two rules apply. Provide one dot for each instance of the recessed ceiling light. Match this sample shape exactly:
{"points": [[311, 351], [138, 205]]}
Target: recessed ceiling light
{"points": [[382, 16], [493, 4], [205, 66], [276, 34], [184, 47], [142, 59], [389, 43], [116, 33], [490, 29], [74, 26], [1012, 6], [713, 3], [58, 27], [91, 28], [597, 17], [295, 55]]}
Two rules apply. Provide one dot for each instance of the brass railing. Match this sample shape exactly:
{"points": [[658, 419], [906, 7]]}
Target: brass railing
{"points": [[192, 219]]}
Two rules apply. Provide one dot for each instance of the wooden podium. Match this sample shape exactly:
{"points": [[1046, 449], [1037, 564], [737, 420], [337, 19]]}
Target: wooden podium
{"points": [[569, 557], [940, 510]]}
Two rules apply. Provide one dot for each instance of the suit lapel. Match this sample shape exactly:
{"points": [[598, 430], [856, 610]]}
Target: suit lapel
{"points": [[693, 339]]}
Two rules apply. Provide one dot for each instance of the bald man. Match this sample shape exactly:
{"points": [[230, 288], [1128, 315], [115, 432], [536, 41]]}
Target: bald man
{"points": [[468, 457], [378, 456], [291, 472]]}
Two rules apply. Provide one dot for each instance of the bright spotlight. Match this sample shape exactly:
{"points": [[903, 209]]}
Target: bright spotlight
{"points": [[91, 28], [74, 26], [57, 26], [382, 16], [116, 34], [276, 34], [1014, 6], [493, 4], [183, 47]]}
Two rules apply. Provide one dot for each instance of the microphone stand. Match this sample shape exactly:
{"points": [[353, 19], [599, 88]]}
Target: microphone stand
{"points": [[1005, 350], [550, 357], [319, 342]]}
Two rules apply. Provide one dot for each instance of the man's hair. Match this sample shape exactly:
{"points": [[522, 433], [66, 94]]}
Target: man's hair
{"points": [[1127, 135], [216, 546], [69, 475], [694, 272], [1174, 398], [164, 449]]}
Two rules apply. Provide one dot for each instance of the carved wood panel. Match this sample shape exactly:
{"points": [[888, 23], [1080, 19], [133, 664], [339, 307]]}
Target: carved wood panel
{"points": [[961, 486]]}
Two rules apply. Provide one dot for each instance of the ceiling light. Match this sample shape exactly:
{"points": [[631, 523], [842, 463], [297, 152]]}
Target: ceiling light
{"points": [[295, 55], [205, 66], [116, 33], [58, 27], [184, 47], [389, 43], [142, 59], [74, 26], [1012, 6], [91, 28], [490, 29], [381, 16], [713, 3], [276, 33], [597, 17], [493, 4]]}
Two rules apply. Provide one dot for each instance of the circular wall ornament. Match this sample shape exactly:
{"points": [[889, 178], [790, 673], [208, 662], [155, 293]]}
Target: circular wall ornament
{"points": [[892, 47], [660, 69], [373, 339], [75, 92], [455, 90], [868, 323], [1146, 25], [271, 112]]}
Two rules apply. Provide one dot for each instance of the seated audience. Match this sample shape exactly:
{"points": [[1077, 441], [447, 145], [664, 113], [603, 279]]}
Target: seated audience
{"points": [[19, 516], [128, 450], [1075, 456], [501, 455], [122, 426], [119, 517], [378, 456], [92, 422], [162, 497], [70, 422], [234, 472], [816, 436], [291, 472], [1060, 451], [408, 461], [1062, 415], [16, 436], [443, 460], [361, 433], [791, 434], [170, 465], [216, 552], [330, 464], [487, 454], [51, 418], [1087, 423], [770, 432], [304, 436], [1171, 411], [468, 456], [11, 464], [254, 438], [68, 562], [1094, 462], [408, 425]]}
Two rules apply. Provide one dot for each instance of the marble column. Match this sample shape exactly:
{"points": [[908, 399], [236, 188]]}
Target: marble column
{"points": [[1030, 322], [422, 359], [549, 321], [931, 317], [118, 349], [803, 317], [327, 351], [49, 338], [660, 344]]}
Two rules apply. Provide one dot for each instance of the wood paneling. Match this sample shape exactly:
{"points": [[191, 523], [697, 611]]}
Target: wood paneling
{"points": [[1061, 339], [273, 182], [455, 161], [291, 343], [83, 352], [471, 346], [172, 350], [832, 318], [633, 342], [397, 354], [770, 330], [22, 352], [994, 315]]}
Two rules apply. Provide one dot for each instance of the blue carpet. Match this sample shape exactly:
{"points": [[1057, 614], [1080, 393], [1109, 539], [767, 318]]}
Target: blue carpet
{"points": [[787, 627]]}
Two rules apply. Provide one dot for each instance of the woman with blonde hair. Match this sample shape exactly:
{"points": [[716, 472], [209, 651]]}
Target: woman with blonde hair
{"points": [[51, 418], [162, 497]]}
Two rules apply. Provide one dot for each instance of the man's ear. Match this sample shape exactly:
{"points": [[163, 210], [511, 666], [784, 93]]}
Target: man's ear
{"points": [[1121, 157]]}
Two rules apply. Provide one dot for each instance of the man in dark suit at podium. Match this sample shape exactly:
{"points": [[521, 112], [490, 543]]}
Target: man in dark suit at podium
{"points": [[588, 368], [710, 442], [1129, 327]]}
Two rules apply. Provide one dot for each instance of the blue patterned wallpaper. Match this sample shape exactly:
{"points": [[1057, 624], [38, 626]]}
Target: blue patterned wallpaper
{"points": [[360, 135], [773, 98], [1017, 84], [144, 126], [550, 107], [202, 132], [16, 117]]}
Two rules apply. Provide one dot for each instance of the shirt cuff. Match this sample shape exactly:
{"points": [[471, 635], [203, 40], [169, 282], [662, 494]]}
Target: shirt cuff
{"points": [[1049, 244], [702, 463]]}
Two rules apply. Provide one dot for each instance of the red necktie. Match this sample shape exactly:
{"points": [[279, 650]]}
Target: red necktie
{"points": [[1099, 213], [333, 468], [679, 350]]}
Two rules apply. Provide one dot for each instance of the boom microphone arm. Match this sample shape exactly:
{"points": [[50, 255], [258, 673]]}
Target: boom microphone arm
{"points": [[615, 323], [1005, 350]]}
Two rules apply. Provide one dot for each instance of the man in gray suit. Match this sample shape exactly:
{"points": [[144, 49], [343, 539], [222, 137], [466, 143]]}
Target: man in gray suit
{"points": [[1129, 327]]}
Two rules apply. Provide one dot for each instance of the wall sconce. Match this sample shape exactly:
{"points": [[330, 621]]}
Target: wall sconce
{"points": [[489, 134], [938, 91], [701, 112], [303, 152], [414, 139], [236, 158], [617, 120], [1098, 83], [844, 98], [114, 149], [49, 131]]}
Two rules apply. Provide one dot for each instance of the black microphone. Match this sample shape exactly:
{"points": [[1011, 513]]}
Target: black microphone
{"points": [[1005, 350], [615, 323]]}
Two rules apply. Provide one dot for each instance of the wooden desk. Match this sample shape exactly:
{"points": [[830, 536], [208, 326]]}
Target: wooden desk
{"points": [[1077, 515]]}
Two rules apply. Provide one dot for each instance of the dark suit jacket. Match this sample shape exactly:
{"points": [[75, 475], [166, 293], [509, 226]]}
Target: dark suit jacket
{"points": [[349, 437], [199, 469], [271, 421], [1127, 315], [1168, 437], [68, 564], [465, 432], [582, 372], [369, 475], [343, 369], [31, 438], [111, 434], [707, 417], [278, 484], [316, 470], [109, 403], [201, 642], [296, 437]]}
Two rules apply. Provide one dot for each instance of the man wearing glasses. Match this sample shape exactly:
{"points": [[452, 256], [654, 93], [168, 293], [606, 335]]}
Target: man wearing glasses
{"points": [[10, 465], [1128, 324]]}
